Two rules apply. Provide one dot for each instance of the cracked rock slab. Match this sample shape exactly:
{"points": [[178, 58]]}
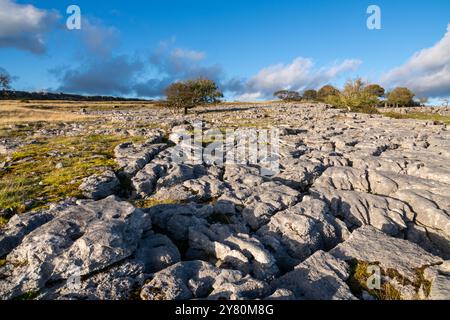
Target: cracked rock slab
{"points": [[100, 186], [82, 239], [187, 280], [320, 277], [358, 209], [231, 249], [371, 245], [295, 234]]}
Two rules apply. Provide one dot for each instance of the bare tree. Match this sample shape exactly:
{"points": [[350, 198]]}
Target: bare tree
{"points": [[5, 81], [445, 101]]}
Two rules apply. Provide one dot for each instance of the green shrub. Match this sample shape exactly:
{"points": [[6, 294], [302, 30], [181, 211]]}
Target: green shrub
{"points": [[355, 98], [191, 93], [401, 97], [287, 95], [310, 95]]}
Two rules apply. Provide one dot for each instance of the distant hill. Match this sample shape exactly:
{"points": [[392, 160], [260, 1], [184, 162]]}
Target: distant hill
{"points": [[24, 95]]}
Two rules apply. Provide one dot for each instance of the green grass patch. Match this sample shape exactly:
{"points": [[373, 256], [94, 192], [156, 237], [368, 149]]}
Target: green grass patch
{"points": [[419, 116], [152, 202], [30, 295], [3, 222], [33, 175], [358, 283], [2, 262]]}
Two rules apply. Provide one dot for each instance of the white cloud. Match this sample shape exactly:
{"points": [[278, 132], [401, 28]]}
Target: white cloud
{"points": [[249, 97], [169, 64], [24, 26], [298, 75], [427, 72], [192, 55]]}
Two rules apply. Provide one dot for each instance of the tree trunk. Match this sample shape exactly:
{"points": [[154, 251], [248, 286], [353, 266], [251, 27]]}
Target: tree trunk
{"points": [[185, 111]]}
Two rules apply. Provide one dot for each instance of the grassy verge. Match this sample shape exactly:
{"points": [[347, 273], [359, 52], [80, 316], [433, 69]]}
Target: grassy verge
{"points": [[34, 176], [419, 116]]}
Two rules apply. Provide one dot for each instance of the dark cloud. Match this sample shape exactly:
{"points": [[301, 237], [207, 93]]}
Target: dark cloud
{"points": [[24, 26], [170, 64], [112, 76], [98, 38]]}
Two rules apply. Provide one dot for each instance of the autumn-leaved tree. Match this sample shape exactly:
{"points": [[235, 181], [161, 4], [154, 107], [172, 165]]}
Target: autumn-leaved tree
{"points": [[401, 97], [326, 92], [185, 95]]}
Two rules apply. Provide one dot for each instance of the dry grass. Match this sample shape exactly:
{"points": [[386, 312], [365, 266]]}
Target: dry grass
{"points": [[13, 112]]}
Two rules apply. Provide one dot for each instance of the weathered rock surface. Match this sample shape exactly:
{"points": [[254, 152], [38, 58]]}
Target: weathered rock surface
{"points": [[119, 282], [296, 233], [187, 280], [360, 208], [131, 158], [371, 245], [320, 277], [407, 267], [20, 225], [156, 252], [352, 189], [100, 186], [231, 249], [82, 239], [440, 281]]}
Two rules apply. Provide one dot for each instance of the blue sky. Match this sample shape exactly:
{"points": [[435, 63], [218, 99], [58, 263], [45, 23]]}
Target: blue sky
{"points": [[249, 47]]}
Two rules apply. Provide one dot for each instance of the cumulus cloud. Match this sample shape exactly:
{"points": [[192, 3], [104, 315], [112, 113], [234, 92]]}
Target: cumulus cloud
{"points": [[148, 77], [427, 72], [24, 26], [169, 64], [98, 38], [298, 75], [114, 75]]}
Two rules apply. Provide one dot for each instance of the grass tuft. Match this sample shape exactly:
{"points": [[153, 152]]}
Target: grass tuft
{"points": [[30, 295], [358, 283], [152, 202], [359, 276]]}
